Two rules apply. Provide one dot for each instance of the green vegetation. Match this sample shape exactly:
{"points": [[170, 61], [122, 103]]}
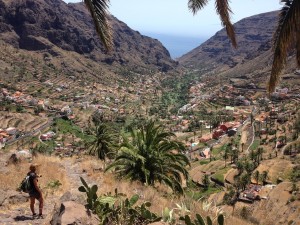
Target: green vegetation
{"points": [[68, 127], [203, 193], [151, 155], [104, 141], [176, 91], [200, 221], [118, 209], [255, 145], [53, 184], [44, 148], [219, 175], [204, 162], [295, 174]]}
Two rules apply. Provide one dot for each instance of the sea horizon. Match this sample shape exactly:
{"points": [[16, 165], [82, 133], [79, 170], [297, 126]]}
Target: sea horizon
{"points": [[177, 45]]}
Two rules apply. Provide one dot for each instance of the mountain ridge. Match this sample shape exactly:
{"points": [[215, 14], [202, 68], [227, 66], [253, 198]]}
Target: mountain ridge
{"points": [[254, 35], [25, 23]]}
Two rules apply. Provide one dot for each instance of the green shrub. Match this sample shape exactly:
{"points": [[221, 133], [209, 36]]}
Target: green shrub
{"points": [[117, 209]]}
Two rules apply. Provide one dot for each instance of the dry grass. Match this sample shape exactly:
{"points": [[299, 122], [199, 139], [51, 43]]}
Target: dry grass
{"points": [[160, 196], [277, 168], [49, 168]]}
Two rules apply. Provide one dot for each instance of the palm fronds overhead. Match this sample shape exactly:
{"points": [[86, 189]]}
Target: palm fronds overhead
{"points": [[223, 9], [287, 32], [99, 12], [196, 5]]}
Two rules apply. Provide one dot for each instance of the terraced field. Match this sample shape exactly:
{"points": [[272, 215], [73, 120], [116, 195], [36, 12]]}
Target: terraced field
{"points": [[23, 121]]}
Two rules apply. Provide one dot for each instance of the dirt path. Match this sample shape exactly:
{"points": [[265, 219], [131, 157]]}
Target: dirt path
{"points": [[17, 212], [289, 144], [74, 172]]}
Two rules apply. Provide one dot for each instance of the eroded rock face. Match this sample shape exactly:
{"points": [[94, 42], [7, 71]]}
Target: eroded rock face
{"points": [[71, 212], [38, 25]]}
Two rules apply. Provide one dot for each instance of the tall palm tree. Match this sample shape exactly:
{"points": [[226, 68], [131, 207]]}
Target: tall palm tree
{"points": [[103, 141], [151, 155], [256, 176], [226, 153], [264, 176], [286, 34]]}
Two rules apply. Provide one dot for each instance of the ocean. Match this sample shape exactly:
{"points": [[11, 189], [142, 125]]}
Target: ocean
{"points": [[177, 45]]}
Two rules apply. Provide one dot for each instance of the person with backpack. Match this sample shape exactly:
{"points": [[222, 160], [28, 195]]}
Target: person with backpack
{"points": [[34, 191]]}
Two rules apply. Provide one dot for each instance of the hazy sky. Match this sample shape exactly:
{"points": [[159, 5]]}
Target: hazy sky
{"points": [[173, 17]]}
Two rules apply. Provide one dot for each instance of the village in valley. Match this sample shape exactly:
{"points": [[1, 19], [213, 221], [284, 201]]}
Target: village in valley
{"points": [[134, 136], [216, 124]]}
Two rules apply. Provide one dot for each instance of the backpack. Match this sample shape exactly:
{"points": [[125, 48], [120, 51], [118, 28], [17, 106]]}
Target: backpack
{"points": [[25, 185]]}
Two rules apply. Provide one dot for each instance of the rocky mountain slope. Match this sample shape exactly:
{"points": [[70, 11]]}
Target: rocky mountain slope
{"points": [[43, 25], [254, 35], [249, 63]]}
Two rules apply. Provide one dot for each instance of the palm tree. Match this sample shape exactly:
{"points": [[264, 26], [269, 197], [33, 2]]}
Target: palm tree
{"points": [[151, 155], [103, 141], [264, 176], [240, 167], [256, 176], [226, 153], [205, 181], [243, 144], [287, 32], [259, 154]]}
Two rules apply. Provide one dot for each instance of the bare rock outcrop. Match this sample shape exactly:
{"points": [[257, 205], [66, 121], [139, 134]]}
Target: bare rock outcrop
{"points": [[42, 25], [71, 212]]}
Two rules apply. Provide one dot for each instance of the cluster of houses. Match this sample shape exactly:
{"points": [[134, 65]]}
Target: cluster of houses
{"points": [[229, 128], [23, 99], [250, 194], [7, 134], [47, 136], [28, 100], [280, 94]]}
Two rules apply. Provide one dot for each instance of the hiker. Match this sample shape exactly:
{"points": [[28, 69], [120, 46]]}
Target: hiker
{"points": [[35, 192]]}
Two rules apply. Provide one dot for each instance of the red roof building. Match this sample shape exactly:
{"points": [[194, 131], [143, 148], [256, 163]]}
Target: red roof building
{"points": [[217, 134]]}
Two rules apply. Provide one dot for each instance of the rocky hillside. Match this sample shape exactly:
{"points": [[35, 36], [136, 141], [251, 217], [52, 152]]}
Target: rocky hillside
{"points": [[249, 63], [44, 25], [254, 37]]}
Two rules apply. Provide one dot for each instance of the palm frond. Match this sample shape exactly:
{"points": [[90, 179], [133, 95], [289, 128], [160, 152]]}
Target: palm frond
{"points": [[287, 27], [298, 41], [196, 5], [99, 12], [223, 9]]}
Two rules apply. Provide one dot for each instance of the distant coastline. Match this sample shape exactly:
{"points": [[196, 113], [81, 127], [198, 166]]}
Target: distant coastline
{"points": [[177, 45]]}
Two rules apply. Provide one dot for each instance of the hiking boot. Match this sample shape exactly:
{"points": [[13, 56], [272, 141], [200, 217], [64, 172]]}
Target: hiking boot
{"points": [[40, 216]]}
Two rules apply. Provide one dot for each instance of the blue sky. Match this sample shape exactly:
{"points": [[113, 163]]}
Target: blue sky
{"points": [[175, 26], [172, 17]]}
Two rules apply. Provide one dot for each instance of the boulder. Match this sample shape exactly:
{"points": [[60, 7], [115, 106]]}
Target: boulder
{"points": [[3, 196], [72, 213], [12, 197]]}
